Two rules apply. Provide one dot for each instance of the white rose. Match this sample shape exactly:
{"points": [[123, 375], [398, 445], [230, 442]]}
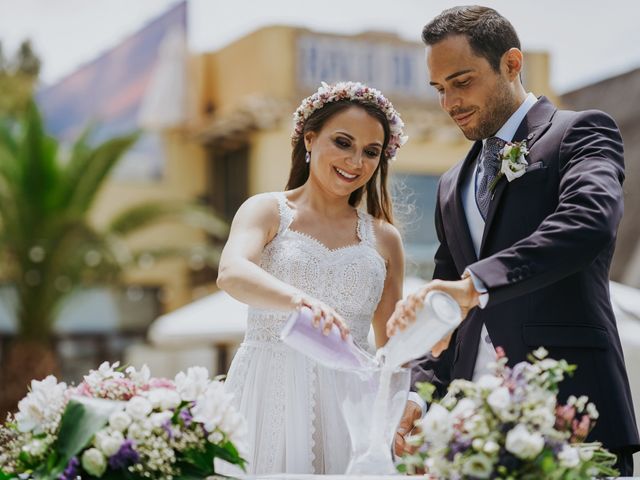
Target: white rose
{"points": [[477, 466], [437, 425], [94, 462], [523, 444], [477, 426], [160, 418], [569, 457], [192, 385], [108, 443], [137, 431], [119, 420], [138, 407], [41, 409], [514, 170], [544, 417], [491, 447], [499, 400], [164, 398], [489, 382], [464, 408], [212, 406]]}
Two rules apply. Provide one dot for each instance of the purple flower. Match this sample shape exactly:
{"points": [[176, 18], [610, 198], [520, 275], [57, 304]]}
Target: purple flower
{"points": [[126, 456], [458, 445], [554, 445], [71, 472], [186, 416], [166, 426]]}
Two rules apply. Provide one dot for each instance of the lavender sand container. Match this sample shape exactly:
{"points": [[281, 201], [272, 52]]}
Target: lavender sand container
{"points": [[329, 350]]}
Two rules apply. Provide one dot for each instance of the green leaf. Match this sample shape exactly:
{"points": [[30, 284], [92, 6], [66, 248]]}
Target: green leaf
{"points": [[52, 459], [547, 463], [426, 391], [82, 418], [228, 452], [7, 476], [200, 461]]}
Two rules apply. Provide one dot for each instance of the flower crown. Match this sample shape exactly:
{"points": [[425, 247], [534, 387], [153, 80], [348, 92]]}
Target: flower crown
{"points": [[357, 92]]}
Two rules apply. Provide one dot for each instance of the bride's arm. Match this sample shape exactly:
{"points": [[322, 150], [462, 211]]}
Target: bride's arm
{"points": [[255, 224], [391, 249]]}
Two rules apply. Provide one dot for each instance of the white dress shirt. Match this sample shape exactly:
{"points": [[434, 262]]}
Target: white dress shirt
{"points": [[486, 351]]}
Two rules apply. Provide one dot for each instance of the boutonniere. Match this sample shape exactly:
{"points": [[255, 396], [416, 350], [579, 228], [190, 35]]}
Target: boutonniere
{"points": [[513, 163]]}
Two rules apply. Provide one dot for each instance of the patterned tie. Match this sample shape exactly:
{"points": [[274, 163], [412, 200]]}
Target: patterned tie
{"points": [[488, 168]]}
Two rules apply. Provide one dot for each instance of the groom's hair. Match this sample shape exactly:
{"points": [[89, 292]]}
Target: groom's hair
{"points": [[489, 33]]}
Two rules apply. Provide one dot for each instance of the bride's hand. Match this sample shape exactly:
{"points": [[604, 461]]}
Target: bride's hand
{"points": [[323, 311]]}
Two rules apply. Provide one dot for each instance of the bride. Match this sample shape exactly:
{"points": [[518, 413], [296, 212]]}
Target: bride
{"points": [[312, 245]]}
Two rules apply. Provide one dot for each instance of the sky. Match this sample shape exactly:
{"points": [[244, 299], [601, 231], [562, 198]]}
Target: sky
{"points": [[589, 40]]}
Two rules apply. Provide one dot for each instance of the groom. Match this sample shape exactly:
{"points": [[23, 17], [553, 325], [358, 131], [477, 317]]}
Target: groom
{"points": [[528, 259]]}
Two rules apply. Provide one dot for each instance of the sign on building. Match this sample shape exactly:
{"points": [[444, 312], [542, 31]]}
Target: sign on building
{"points": [[397, 69]]}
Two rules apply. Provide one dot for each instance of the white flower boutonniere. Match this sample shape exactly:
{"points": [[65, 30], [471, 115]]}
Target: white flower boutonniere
{"points": [[513, 164]]}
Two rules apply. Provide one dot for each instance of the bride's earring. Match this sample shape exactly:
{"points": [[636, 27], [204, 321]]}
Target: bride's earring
{"points": [[307, 157]]}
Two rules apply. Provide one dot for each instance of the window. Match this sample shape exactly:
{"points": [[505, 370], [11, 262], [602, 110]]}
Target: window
{"points": [[229, 180]]}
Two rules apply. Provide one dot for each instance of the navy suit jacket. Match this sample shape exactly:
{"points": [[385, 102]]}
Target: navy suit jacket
{"points": [[545, 257]]}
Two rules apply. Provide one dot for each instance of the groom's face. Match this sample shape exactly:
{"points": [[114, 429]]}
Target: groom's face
{"points": [[478, 99]]}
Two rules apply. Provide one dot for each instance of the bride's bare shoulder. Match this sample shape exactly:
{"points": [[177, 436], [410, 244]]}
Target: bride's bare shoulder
{"points": [[389, 240], [260, 210]]}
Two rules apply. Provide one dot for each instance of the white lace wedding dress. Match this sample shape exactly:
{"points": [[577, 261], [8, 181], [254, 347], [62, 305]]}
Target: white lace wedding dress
{"points": [[290, 403]]}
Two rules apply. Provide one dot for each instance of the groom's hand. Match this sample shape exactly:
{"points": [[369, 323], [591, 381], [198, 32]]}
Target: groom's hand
{"points": [[412, 412], [462, 292]]}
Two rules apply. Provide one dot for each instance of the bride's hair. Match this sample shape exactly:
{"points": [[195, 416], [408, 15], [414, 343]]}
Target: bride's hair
{"points": [[376, 190]]}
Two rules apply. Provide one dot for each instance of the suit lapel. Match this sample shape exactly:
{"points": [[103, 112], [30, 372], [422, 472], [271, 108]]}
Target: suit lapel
{"points": [[455, 219], [535, 123]]}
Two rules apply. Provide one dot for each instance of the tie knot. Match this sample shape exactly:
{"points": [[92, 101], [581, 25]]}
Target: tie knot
{"points": [[492, 148]]}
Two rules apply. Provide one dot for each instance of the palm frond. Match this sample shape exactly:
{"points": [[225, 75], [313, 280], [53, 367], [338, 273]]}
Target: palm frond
{"points": [[98, 164], [37, 154], [149, 213], [73, 171], [7, 128]]}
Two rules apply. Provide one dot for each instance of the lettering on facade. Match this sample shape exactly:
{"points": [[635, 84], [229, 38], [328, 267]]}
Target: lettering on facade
{"points": [[398, 70]]}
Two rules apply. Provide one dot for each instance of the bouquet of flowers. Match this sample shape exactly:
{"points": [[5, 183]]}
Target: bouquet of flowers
{"points": [[122, 424], [509, 425]]}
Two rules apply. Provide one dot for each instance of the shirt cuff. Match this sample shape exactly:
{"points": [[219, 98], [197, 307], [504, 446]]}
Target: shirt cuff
{"points": [[415, 398], [480, 287]]}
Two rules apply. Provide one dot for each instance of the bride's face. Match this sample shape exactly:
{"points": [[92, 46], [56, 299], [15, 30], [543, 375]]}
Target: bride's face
{"points": [[346, 151]]}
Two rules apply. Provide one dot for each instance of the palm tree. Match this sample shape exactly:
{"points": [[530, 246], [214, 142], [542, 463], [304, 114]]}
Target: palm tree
{"points": [[48, 246]]}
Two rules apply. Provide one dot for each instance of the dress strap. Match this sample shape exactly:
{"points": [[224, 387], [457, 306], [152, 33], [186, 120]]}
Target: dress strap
{"points": [[365, 230], [286, 213]]}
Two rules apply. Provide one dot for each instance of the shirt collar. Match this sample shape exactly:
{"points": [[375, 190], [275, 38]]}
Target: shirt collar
{"points": [[508, 130]]}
